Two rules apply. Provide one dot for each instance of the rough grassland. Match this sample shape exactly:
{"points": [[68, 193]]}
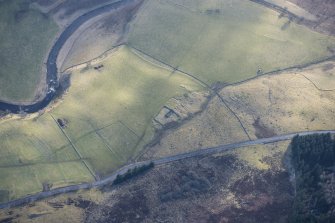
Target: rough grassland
{"points": [[322, 75], [100, 35], [49, 210], [268, 105], [215, 126], [108, 114], [25, 36], [284, 103], [235, 188], [229, 44], [294, 9]]}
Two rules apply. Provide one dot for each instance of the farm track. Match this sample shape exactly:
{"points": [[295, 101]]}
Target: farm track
{"points": [[198, 153], [208, 151], [52, 70], [287, 69], [312, 24], [201, 82], [316, 86], [278, 8]]}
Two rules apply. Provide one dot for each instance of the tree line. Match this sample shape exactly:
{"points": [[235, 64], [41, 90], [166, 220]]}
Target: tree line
{"points": [[120, 178], [313, 158]]}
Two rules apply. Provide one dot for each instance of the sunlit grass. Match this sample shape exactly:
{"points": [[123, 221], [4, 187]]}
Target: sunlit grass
{"points": [[228, 45], [109, 120]]}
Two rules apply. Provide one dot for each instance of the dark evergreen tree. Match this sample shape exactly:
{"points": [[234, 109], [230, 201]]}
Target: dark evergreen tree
{"points": [[312, 155]]}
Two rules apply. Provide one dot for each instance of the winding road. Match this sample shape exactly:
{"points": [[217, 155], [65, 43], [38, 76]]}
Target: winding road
{"points": [[202, 152], [52, 91]]}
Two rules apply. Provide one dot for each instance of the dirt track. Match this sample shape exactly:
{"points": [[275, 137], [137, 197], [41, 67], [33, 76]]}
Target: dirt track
{"points": [[165, 160], [324, 24], [162, 161]]}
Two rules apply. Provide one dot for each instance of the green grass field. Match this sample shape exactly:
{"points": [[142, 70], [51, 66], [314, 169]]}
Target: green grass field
{"points": [[109, 111], [25, 37], [223, 40], [109, 114]]}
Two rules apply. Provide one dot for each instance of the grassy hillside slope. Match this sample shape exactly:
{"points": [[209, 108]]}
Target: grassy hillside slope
{"points": [[108, 115], [223, 40], [25, 36]]}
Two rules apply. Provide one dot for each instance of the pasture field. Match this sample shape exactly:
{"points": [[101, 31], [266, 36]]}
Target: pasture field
{"points": [[107, 116], [322, 75], [214, 126], [266, 106], [285, 103], [226, 41], [243, 184], [22, 54], [34, 152]]}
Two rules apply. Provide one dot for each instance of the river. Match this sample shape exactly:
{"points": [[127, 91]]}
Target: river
{"points": [[53, 88]]}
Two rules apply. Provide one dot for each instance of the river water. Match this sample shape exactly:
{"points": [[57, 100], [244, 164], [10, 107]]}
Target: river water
{"points": [[53, 88]]}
